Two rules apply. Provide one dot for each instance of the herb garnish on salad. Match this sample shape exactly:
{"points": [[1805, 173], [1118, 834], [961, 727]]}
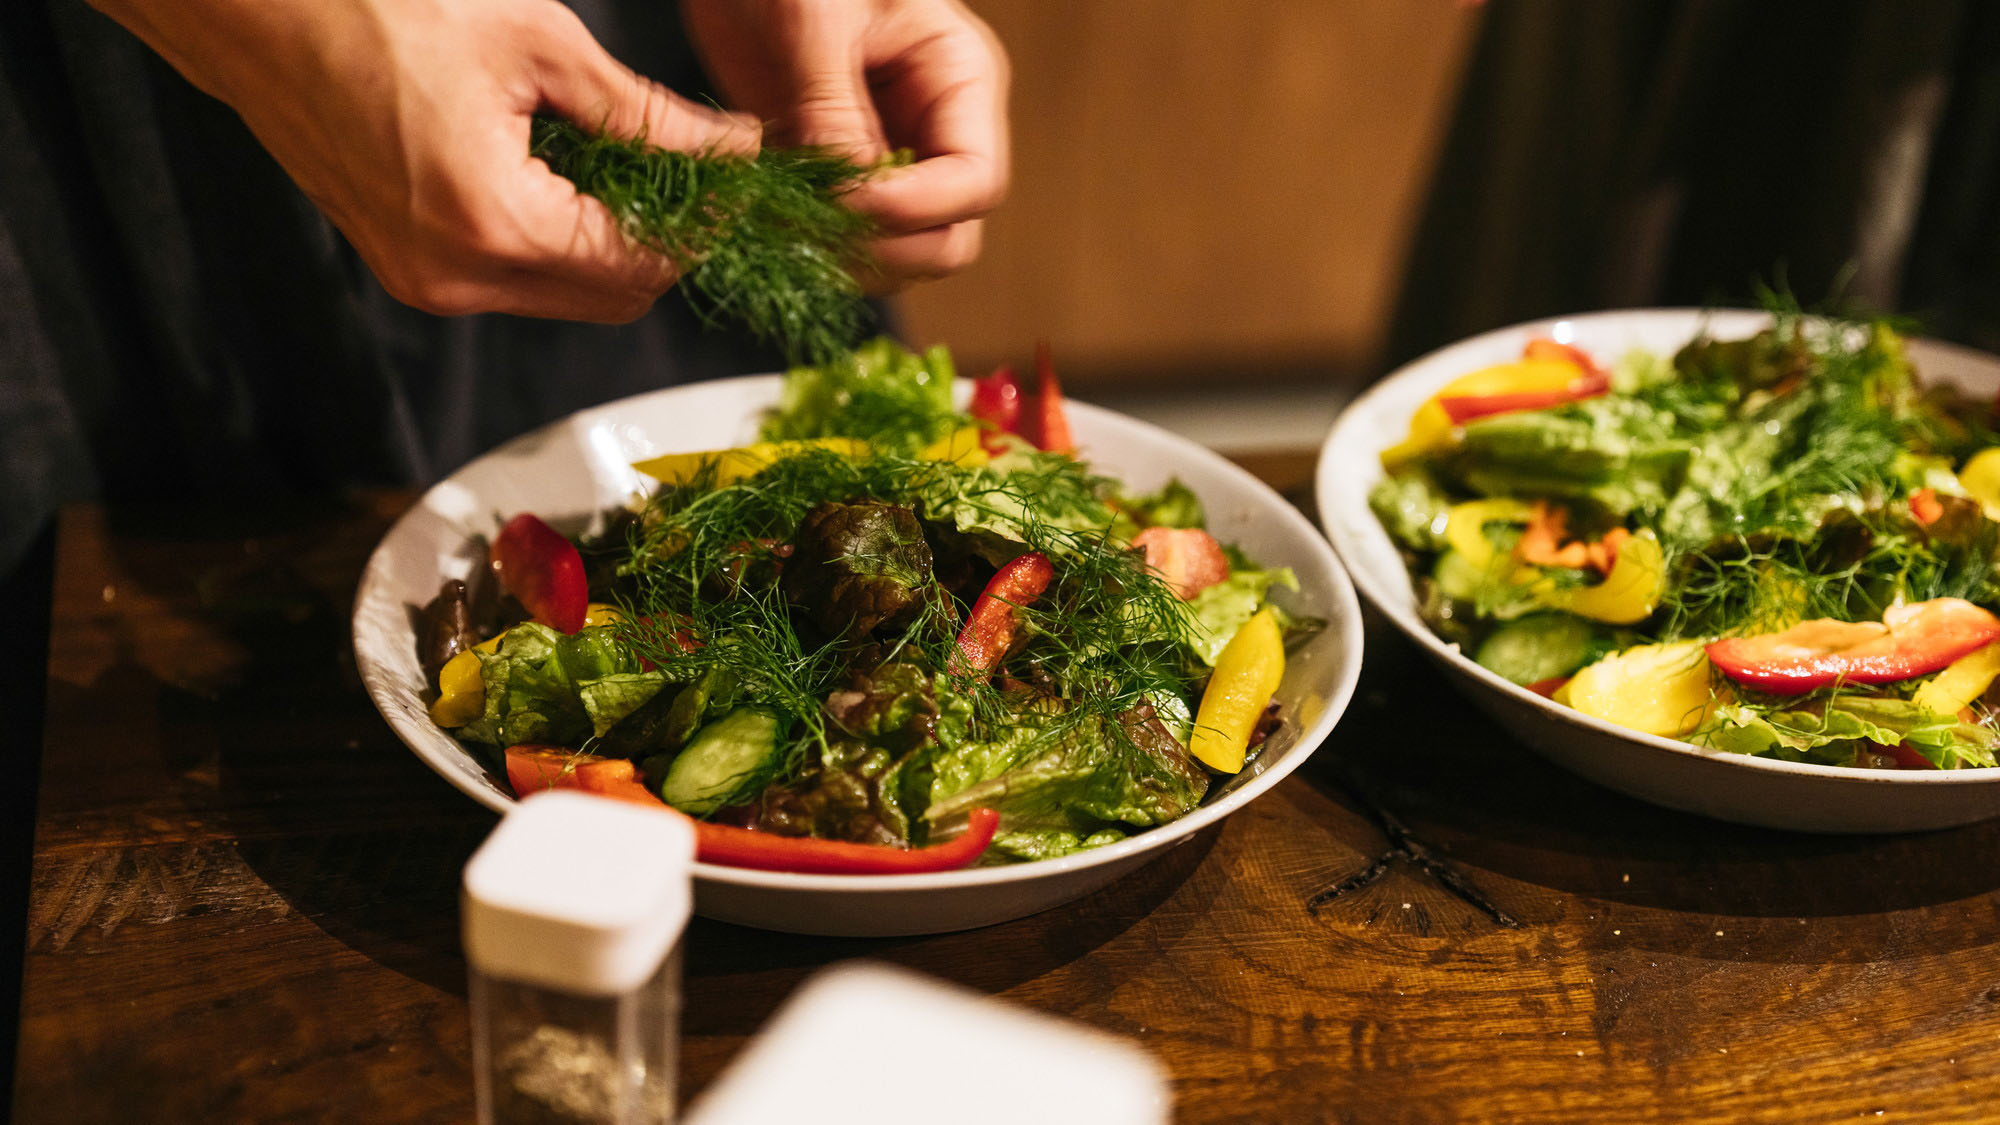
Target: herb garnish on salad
{"points": [[885, 624], [1782, 545]]}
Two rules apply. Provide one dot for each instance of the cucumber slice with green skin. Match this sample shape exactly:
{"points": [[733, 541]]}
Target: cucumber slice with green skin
{"points": [[720, 759], [1540, 646]]}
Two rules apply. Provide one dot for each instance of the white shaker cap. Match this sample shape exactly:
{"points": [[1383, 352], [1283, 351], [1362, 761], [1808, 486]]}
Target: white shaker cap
{"points": [[578, 893], [942, 1042]]}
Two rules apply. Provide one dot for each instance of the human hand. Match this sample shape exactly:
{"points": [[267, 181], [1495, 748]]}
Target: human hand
{"points": [[866, 77], [407, 122]]}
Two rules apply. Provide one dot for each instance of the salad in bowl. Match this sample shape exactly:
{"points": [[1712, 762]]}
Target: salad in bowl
{"points": [[900, 632], [1777, 542]]}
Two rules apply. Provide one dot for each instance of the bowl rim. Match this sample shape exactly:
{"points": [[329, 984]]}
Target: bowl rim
{"points": [[1337, 491], [1343, 617]]}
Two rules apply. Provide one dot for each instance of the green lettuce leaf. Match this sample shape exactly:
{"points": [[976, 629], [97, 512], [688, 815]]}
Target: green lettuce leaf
{"points": [[1845, 726], [1080, 779], [1215, 614], [887, 395], [609, 699]]}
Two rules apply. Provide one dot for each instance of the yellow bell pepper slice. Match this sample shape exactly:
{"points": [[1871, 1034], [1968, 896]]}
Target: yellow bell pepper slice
{"points": [[461, 693], [1431, 428], [1465, 527], [1627, 596], [1246, 674], [732, 465], [601, 613], [1654, 689], [1981, 480], [1962, 681], [959, 447]]}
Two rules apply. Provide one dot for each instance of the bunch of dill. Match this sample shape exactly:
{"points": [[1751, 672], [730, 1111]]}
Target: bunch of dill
{"points": [[765, 242]]}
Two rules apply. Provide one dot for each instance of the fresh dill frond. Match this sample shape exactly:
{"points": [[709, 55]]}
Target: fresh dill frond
{"points": [[1107, 637], [764, 242]]}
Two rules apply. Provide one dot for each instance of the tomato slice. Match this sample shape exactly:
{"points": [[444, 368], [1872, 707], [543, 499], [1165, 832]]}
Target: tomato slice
{"points": [[1187, 559], [543, 570], [1910, 641], [998, 399]]}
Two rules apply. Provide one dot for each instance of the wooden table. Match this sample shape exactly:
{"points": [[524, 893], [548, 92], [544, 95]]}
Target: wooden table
{"points": [[244, 902]]}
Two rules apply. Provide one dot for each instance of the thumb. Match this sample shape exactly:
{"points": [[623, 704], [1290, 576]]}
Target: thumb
{"points": [[584, 84]]}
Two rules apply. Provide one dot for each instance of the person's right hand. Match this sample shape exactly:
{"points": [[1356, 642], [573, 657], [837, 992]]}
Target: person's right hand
{"points": [[407, 122]]}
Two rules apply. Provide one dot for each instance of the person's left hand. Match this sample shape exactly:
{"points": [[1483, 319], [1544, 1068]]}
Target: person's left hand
{"points": [[867, 77]]}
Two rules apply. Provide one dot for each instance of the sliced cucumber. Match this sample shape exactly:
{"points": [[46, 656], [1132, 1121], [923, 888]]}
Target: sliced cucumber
{"points": [[722, 760], [1540, 646]]}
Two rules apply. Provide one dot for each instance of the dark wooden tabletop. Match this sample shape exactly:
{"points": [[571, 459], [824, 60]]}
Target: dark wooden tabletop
{"points": [[244, 902]]}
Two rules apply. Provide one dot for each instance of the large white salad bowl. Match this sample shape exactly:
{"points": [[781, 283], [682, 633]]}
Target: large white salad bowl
{"points": [[1732, 787], [571, 470]]}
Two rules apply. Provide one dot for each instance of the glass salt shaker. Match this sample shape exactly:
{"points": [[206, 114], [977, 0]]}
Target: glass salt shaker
{"points": [[573, 912]]}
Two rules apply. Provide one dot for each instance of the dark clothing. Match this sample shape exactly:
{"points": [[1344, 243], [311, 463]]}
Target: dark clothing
{"points": [[1679, 152], [177, 319]]}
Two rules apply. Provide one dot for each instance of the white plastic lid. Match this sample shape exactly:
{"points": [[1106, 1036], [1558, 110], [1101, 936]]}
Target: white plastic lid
{"points": [[944, 1040], [578, 893]]}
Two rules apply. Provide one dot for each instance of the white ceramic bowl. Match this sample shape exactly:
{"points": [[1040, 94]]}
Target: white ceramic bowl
{"points": [[570, 470], [1734, 787]]}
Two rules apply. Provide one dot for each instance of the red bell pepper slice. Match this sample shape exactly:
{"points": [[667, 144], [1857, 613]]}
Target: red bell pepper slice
{"points": [[1911, 641], [989, 630], [1046, 423], [745, 847], [1187, 559], [531, 769], [542, 569]]}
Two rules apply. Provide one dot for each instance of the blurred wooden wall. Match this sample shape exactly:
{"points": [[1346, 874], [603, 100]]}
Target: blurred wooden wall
{"points": [[1204, 189]]}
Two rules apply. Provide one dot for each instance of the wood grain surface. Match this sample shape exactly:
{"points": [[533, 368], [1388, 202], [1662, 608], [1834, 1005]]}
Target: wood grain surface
{"points": [[244, 903]]}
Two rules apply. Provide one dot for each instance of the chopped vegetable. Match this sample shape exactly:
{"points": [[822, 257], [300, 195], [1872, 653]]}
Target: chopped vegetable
{"points": [[1910, 641], [531, 769], [1246, 674], [731, 465], [1627, 596], [461, 694], [543, 570], [999, 401], [729, 756], [1655, 689], [1960, 684], [742, 847], [989, 630], [1187, 559], [1043, 419]]}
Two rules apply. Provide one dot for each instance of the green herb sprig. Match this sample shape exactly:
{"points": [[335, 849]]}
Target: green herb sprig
{"points": [[764, 242]]}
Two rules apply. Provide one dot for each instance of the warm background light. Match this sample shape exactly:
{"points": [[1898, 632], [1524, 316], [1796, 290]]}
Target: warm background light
{"points": [[1205, 191]]}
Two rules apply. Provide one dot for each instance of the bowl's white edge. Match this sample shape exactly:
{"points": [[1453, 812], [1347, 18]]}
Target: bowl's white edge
{"points": [[1344, 616]]}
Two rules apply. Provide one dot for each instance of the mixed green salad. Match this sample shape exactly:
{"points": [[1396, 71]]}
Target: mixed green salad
{"points": [[1782, 545], [883, 637]]}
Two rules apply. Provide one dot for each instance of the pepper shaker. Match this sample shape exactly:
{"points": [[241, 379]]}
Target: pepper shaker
{"points": [[573, 912]]}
